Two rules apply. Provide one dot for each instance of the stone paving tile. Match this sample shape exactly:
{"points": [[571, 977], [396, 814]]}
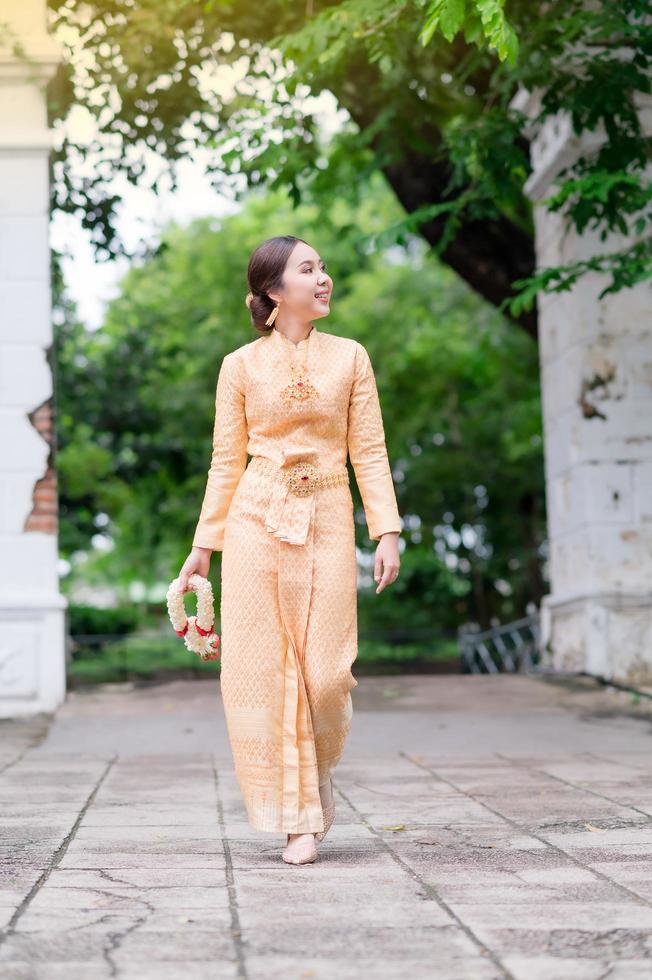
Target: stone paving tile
{"points": [[99, 857], [221, 969], [156, 797], [125, 814], [92, 890], [634, 875], [453, 810], [217, 969], [400, 944], [238, 831], [622, 842], [473, 864], [593, 902], [585, 771], [525, 893], [256, 888], [24, 853], [148, 835], [599, 930], [474, 838], [556, 967], [7, 912], [639, 800], [127, 940], [437, 964], [32, 828], [136, 916], [634, 758], [136, 878], [391, 912]]}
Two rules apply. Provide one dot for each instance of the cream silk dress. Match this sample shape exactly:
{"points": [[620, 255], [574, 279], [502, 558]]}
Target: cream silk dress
{"points": [[288, 604]]}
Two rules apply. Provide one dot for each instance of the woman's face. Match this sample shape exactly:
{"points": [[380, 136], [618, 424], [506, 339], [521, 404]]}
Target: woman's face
{"points": [[307, 287]]}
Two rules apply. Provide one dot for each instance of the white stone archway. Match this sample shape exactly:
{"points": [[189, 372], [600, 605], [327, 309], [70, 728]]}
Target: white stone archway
{"points": [[596, 383], [32, 610]]}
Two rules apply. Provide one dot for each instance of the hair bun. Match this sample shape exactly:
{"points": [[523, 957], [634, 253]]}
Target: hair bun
{"points": [[248, 299]]}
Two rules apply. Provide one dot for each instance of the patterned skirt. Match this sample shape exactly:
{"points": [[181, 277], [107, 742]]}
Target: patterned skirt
{"points": [[288, 611]]}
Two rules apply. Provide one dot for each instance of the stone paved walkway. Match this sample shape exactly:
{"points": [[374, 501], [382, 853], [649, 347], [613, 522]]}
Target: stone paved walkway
{"points": [[486, 827]]}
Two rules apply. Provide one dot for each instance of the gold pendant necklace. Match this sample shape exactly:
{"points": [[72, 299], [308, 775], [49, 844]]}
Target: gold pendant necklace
{"points": [[300, 388]]}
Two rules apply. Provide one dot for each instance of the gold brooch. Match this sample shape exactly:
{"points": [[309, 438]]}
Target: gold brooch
{"points": [[299, 389], [303, 478]]}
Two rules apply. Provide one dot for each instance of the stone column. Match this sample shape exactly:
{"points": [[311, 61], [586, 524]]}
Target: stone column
{"points": [[596, 379], [32, 610]]}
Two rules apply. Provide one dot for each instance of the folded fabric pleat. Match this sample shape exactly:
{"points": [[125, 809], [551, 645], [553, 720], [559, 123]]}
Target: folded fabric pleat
{"points": [[288, 515]]}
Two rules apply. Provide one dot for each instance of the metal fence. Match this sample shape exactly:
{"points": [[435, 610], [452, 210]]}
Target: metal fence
{"points": [[510, 648]]}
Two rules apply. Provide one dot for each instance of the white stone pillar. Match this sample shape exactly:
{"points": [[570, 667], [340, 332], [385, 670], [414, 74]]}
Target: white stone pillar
{"points": [[596, 379], [32, 610]]}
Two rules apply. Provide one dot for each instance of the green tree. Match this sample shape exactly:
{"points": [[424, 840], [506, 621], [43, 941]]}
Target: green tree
{"points": [[426, 86], [463, 425]]}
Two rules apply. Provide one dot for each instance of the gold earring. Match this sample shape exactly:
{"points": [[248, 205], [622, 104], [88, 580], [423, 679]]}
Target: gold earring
{"points": [[272, 316]]}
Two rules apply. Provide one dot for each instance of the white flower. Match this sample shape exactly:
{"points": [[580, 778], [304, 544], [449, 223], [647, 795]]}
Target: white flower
{"points": [[205, 644]]}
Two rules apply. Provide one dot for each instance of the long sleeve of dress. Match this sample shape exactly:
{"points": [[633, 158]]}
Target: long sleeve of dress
{"points": [[229, 458], [368, 452]]}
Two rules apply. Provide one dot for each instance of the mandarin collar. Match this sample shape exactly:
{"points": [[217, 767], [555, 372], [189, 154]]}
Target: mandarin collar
{"points": [[280, 338]]}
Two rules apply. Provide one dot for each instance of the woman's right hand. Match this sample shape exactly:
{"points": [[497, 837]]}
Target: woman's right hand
{"points": [[198, 562]]}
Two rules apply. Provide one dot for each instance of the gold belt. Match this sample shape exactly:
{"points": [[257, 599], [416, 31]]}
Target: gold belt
{"points": [[302, 477]]}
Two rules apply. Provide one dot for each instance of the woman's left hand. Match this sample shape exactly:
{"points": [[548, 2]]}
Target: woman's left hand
{"points": [[387, 564]]}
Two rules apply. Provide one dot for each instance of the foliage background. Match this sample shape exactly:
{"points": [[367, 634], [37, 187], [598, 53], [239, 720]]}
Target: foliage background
{"points": [[418, 200], [458, 387]]}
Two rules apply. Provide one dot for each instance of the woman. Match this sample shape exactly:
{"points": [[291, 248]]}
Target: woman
{"points": [[294, 400]]}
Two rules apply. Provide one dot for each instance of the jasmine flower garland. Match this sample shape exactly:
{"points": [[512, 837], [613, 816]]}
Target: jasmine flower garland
{"points": [[197, 631]]}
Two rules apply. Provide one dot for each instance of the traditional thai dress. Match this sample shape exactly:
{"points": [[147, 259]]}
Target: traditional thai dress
{"points": [[284, 523]]}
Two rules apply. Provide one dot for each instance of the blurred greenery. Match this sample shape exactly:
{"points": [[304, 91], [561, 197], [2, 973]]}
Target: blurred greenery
{"points": [[459, 390], [423, 173], [138, 658], [141, 659], [91, 621], [423, 91]]}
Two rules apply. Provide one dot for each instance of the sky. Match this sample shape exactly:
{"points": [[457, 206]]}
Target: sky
{"points": [[91, 283]]}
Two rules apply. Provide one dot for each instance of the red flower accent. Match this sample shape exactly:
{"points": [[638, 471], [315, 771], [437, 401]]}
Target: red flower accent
{"points": [[204, 632]]}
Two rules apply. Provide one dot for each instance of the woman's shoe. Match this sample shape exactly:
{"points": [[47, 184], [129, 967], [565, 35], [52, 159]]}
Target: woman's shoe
{"points": [[329, 816], [305, 853]]}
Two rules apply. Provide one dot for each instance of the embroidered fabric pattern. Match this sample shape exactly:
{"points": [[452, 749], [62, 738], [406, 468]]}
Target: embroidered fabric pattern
{"points": [[300, 388], [303, 477], [288, 602]]}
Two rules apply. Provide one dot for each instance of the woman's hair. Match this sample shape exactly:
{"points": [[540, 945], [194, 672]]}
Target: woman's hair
{"points": [[264, 272]]}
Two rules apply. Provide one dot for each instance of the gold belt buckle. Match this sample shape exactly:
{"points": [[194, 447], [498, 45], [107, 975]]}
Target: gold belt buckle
{"points": [[303, 478]]}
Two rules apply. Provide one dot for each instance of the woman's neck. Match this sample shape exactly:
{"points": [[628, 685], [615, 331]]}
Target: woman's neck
{"points": [[296, 332]]}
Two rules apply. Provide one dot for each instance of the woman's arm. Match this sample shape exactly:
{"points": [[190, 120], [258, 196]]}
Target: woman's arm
{"points": [[368, 452], [229, 458]]}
